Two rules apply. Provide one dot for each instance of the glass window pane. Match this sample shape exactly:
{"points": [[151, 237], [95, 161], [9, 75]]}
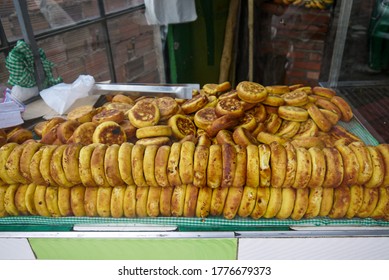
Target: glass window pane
{"points": [[9, 20], [112, 6], [136, 49], [47, 15], [4, 74], [78, 52], [52, 14]]}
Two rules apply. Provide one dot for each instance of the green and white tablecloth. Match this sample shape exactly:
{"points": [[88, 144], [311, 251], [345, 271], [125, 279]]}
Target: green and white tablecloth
{"points": [[20, 64]]}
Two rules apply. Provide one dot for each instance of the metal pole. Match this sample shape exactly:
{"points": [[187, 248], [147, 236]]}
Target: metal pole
{"points": [[340, 41], [107, 42], [28, 35]]}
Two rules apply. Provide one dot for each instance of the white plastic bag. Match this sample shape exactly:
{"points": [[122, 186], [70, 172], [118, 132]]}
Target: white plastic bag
{"points": [[62, 96], [22, 94], [163, 12]]}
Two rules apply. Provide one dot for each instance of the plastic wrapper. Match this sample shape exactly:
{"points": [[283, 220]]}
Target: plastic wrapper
{"points": [[62, 96]]}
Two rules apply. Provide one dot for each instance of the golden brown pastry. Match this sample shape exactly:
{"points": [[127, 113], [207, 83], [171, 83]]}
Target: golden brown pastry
{"points": [[144, 113], [278, 158], [109, 132], [251, 92], [232, 203], [215, 166]]}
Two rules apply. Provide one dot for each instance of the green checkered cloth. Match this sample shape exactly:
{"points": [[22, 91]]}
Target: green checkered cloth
{"points": [[20, 64]]}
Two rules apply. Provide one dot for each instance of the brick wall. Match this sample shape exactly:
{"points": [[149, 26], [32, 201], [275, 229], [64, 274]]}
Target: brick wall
{"points": [[83, 51], [296, 36]]}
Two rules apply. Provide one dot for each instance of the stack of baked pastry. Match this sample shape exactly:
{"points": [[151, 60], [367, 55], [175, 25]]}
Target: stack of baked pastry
{"points": [[253, 151]]}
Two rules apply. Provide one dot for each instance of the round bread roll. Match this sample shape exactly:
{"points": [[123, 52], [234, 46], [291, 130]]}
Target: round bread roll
{"points": [[241, 167], [12, 164], [203, 205], [117, 199], [350, 163], [129, 201], [29, 199], [51, 197], [335, 169], [153, 131], [291, 165], [160, 166], [144, 113], [90, 201], [229, 106], [204, 117], [82, 114], [178, 200], [167, 106], [274, 100], [111, 166], [249, 197], [378, 168], [191, 195], [264, 165], [64, 206], [318, 167], [229, 158], [293, 113], [35, 173], [103, 205], [356, 200], [173, 165], [137, 157], [149, 165], [20, 199], [223, 122], [97, 165], [40, 201], [287, 205], [323, 91], [109, 132], [347, 113], [243, 137], [56, 168], [314, 202], [232, 203], [215, 166], [321, 121], [85, 165], [125, 165], [295, 98], [274, 204], [263, 196], [278, 158], [369, 203], [301, 204], [45, 165], [83, 134], [341, 203], [218, 201], [200, 162], [253, 167], [194, 104], [288, 129], [66, 130], [181, 126], [326, 201], [70, 163], [251, 92]]}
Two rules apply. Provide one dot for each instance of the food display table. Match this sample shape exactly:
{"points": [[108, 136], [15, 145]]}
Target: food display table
{"points": [[36, 237]]}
